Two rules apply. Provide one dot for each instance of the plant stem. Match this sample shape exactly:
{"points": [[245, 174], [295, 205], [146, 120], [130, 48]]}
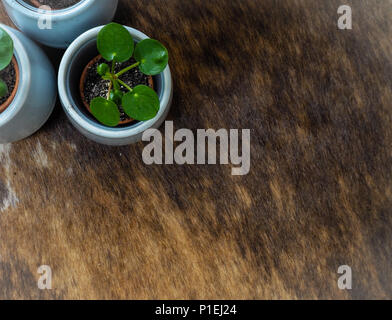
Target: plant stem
{"points": [[115, 84], [110, 89], [113, 66], [127, 69], [125, 85]]}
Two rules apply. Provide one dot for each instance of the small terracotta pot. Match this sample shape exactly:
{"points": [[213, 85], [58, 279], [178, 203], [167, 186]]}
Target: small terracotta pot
{"points": [[6, 104], [83, 78]]}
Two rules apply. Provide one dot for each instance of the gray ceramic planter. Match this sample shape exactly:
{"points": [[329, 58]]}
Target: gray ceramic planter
{"points": [[36, 95], [67, 24], [78, 55]]}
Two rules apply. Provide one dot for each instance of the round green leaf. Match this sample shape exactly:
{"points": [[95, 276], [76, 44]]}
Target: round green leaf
{"points": [[102, 69], [6, 49], [116, 96], [141, 104], [3, 89], [105, 111], [114, 42], [152, 55]]}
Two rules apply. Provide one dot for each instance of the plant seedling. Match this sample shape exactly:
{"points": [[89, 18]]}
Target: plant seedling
{"points": [[141, 103], [6, 54]]}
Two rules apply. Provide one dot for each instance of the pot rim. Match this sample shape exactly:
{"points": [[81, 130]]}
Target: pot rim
{"points": [[94, 127], [60, 14], [24, 65]]}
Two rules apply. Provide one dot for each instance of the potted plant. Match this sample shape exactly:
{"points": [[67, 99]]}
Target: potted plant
{"points": [[114, 83], [9, 71], [24, 71], [66, 20]]}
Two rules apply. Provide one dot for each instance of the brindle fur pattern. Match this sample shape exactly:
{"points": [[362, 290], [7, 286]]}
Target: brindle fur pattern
{"points": [[319, 194]]}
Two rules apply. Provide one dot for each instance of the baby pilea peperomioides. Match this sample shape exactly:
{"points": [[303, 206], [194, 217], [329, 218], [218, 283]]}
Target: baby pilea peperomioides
{"points": [[141, 103], [6, 54]]}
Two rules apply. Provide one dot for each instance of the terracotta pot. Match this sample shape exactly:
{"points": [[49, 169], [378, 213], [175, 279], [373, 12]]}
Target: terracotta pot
{"points": [[82, 81], [6, 104]]}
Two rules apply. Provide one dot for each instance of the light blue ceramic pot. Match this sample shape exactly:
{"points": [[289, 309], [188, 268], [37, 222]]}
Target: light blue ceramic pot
{"points": [[67, 24], [77, 56], [36, 95]]}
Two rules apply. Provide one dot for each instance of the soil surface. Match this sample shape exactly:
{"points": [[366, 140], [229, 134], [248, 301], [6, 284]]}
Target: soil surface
{"points": [[8, 76], [54, 4], [95, 86]]}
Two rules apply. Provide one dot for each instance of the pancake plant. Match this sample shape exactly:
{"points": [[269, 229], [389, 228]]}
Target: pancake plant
{"points": [[6, 54], [141, 103]]}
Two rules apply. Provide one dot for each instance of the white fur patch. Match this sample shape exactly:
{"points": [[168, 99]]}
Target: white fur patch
{"points": [[10, 199]]}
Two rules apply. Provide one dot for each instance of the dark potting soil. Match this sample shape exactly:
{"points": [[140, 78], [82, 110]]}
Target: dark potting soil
{"points": [[8, 76], [54, 4], [95, 86]]}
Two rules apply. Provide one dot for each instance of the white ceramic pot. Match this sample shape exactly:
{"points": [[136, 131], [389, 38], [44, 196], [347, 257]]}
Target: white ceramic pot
{"points": [[36, 95], [77, 56], [66, 24]]}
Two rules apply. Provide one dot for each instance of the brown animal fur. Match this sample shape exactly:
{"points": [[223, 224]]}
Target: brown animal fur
{"points": [[319, 194]]}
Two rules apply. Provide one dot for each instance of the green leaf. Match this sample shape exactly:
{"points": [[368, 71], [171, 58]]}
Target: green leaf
{"points": [[102, 69], [105, 111], [116, 96], [6, 49], [152, 55], [141, 104], [3, 89], [114, 42]]}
